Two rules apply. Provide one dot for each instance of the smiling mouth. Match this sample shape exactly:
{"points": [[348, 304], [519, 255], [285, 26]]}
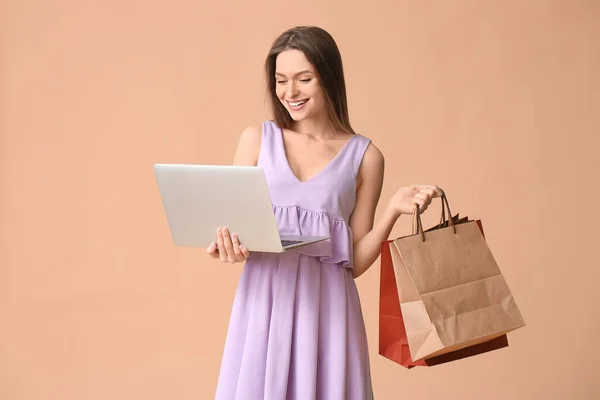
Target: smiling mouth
{"points": [[296, 104]]}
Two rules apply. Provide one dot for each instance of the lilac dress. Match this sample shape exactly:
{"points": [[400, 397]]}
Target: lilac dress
{"points": [[296, 330]]}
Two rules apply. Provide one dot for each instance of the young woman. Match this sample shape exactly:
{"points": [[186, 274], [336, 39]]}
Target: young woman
{"points": [[296, 328]]}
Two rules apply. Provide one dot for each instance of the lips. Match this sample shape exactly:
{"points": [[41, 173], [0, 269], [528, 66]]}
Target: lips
{"points": [[297, 105]]}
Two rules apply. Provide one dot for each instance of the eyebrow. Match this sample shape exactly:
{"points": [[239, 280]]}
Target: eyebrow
{"points": [[306, 71]]}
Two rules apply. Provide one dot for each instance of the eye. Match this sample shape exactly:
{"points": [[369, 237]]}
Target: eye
{"points": [[306, 80], [281, 82]]}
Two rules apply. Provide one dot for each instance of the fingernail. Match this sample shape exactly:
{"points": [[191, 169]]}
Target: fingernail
{"points": [[225, 230]]}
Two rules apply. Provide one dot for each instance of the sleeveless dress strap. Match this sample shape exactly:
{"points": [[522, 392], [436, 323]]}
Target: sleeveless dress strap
{"points": [[270, 156], [354, 153]]}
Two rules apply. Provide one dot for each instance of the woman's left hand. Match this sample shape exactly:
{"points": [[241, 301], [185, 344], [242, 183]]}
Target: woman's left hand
{"points": [[406, 198]]}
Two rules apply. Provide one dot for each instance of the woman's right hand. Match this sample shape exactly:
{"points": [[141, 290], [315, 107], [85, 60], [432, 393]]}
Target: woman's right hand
{"points": [[228, 248]]}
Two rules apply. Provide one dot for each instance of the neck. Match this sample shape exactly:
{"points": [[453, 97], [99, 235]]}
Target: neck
{"points": [[319, 127]]}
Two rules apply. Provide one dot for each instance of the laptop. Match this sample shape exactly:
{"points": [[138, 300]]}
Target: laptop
{"points": [[198, 199]]}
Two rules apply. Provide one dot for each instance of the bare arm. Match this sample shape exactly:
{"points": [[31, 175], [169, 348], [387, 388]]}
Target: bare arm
{"points": [[248, 147], [367, 239]]}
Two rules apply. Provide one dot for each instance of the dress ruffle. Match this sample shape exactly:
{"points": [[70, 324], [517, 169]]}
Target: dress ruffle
{"points": [[294, 220]]}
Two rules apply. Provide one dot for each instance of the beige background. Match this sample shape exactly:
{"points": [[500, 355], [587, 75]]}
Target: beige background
{"points": [[496, 101]]}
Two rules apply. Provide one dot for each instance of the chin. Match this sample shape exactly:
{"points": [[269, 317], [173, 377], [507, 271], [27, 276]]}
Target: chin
{"points": [[297, 118]]}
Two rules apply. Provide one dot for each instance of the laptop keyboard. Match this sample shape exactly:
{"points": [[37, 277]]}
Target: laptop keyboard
{"points": [[290, 242]]}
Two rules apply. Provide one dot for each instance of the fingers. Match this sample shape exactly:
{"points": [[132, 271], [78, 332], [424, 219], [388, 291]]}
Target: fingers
{"points": [[237, 248], [433, 190], [221, 245], [240, 251], [424, 194], [236, 245], [427, 191], [245, 251], [212, 250], [421, 202], [229, 248], [228, 245]]}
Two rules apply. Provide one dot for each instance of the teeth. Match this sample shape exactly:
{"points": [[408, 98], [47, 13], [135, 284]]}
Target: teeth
{"points": [[297, 104]]}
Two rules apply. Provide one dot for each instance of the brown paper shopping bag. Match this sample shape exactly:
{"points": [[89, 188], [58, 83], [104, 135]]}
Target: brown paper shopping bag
{"points": [[393, 342], [444, 297]]}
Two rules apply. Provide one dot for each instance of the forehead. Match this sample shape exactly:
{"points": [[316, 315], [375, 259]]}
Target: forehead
{"points": [[292, 61]]}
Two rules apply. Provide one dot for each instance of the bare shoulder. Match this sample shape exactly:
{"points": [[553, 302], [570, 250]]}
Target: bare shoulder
{"points": [[369, 184], [248, 147], [252, 132], [251, 136], [372, 165]]}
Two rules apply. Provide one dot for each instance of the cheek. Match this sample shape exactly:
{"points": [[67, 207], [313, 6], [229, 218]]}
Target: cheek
{"points": [[280, 92], [317, 94]]}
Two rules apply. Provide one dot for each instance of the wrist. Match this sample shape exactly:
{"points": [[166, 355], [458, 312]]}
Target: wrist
{"points": [[392, 212]]}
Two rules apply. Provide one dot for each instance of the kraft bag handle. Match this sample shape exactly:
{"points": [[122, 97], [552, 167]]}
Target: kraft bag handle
{"points": [[418, 224]]}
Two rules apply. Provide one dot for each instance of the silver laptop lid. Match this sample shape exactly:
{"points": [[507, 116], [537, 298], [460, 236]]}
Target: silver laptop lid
{"points": [[199, 198]]}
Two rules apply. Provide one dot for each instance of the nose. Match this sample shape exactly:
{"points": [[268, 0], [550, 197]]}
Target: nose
{"points": [[292, 90]]}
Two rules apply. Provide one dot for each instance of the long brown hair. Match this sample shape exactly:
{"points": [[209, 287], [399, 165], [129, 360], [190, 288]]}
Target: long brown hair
{"points": [[322, 52]]}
